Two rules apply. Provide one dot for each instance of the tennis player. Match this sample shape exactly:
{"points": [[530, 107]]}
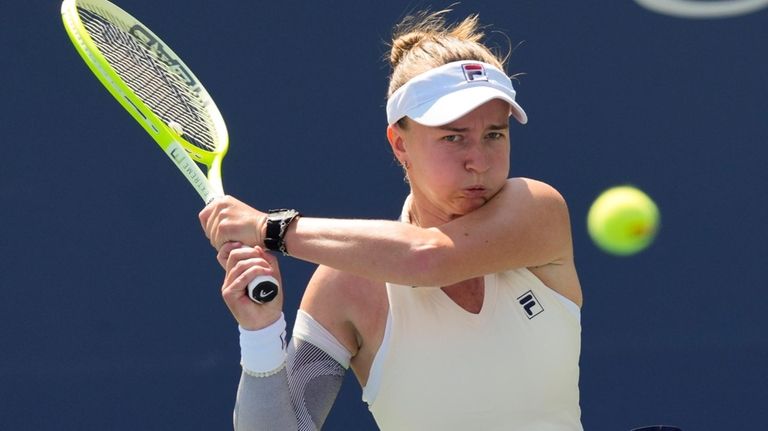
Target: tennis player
{"points": [[464, 314]]}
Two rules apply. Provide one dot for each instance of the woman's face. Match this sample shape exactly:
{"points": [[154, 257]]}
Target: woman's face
{"points": [[456, 168]]}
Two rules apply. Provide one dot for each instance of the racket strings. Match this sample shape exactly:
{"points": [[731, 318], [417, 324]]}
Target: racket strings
{"points": [[168, 90]]}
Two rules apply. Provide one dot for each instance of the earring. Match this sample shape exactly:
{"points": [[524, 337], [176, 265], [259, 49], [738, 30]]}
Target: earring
{"points": [[406, 165]]}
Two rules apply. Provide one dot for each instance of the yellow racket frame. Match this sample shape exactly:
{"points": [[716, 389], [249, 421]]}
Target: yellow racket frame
{"points": [[183, 153]]}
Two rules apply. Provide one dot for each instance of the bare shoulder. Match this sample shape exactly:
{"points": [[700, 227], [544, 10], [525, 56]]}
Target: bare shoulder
{"points": [[537, 201], [548, 204], [534, 206], [345, 304], [526, 189]]}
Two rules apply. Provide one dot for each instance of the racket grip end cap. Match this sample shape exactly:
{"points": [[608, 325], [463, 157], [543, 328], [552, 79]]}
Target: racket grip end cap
{"points": [[263, 289]]}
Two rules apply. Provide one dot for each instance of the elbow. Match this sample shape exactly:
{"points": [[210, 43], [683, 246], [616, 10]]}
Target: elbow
{"points": [[429, 263]]}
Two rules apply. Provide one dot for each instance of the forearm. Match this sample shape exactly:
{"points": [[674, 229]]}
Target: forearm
{"points": [[374, 249], [526, 224]]}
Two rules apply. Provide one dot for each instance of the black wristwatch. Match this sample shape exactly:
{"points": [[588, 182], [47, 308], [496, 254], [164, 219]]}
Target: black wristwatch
{"points": [[277, 224]]}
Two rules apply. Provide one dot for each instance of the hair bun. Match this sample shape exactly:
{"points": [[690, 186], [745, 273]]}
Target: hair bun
{"points": [[424, 40], [403, 44]]}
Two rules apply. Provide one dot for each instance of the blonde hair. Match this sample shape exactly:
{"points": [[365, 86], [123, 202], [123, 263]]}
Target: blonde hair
{"points": [[424, 41]]}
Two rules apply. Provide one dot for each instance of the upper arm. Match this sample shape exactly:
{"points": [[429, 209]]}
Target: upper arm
{"points": [[526, 224], [331, 298]]}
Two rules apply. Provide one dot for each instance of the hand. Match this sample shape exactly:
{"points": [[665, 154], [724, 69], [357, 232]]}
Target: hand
{"points": [[243, 264], [227, 219]]}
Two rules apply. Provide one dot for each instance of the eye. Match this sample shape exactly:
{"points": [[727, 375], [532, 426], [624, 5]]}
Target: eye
{"points": [[495, 135], [451, 138]]}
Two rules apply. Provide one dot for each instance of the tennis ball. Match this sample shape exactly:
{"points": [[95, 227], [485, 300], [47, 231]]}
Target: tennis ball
{"points": [[623, 220]]}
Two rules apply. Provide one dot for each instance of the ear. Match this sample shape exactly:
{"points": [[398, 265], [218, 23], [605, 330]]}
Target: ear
{"points": [[397, 142]]}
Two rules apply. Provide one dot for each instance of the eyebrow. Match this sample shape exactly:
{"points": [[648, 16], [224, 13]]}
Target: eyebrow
{"points": [[464, 129]]}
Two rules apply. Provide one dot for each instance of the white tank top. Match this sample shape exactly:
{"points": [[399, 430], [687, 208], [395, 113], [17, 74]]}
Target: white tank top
{"points": [[513, 366]]}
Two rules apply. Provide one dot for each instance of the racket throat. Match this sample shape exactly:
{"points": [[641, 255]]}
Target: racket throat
{"points": [[192, 171]]}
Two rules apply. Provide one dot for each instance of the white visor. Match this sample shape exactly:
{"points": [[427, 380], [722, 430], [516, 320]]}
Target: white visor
{"points": [[447, 93]]}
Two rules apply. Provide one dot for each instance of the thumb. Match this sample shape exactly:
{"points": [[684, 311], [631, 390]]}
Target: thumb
{"points": [[270, 258]]}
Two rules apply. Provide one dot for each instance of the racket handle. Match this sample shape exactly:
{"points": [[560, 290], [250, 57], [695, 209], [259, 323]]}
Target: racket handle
{"points": [[263, 289]]}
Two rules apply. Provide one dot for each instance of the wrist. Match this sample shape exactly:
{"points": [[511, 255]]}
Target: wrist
{"points": [[258, 321], [277, 224], [261, 228]]}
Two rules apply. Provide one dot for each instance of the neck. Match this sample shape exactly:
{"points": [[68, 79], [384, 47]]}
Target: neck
{"points": [[425, 217]]}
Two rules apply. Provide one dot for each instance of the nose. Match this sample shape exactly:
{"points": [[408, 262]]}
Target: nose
{"points": [[477, 158]]}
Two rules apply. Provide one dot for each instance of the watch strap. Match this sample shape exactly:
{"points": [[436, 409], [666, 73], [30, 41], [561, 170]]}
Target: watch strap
{"points": [[278, 221]]}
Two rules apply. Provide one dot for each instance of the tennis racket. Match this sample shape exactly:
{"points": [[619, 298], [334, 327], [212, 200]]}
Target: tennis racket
{"points": [[160, 92]]}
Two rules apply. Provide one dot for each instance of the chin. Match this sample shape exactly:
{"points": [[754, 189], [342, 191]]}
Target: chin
{"points": [[469, 205]]}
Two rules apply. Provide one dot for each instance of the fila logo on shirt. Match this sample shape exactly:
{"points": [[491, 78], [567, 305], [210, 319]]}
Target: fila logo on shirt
{"points": [[474, 72], [530, 304]]}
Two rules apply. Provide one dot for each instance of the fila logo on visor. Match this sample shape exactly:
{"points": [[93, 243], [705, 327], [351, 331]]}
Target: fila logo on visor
{"points": [[474, 72]]}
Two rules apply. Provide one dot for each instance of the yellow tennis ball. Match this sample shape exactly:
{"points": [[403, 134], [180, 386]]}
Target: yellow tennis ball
{"points": [[623, 220]]}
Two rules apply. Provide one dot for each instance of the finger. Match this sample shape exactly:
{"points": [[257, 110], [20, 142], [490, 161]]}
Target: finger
{"points": [[253, 262], [236, 269], [271, 260], [229, 246], [205, 216], [255, 269], [243, 272], [223, 254], [269, 257], [243, 253], [213, 222], [212, 228], [238, 287]]}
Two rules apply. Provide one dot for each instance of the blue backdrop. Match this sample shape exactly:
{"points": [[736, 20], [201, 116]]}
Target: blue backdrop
{"points": [[110, 314]]}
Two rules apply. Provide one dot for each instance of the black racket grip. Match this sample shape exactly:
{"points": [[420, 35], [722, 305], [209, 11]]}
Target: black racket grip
{"points": [[263, 289]]}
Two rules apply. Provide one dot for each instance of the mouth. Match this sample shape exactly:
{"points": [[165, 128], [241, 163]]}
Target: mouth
{"points": [[475, 191]]}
